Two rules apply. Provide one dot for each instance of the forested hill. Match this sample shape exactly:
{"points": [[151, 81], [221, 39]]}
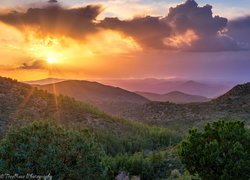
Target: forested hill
{"points": [[107, 98], [21, 103], [235, 104]]}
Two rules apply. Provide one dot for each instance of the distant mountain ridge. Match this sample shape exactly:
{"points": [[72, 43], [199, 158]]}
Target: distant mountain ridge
{"points": [[107, 98], [44, 81], [157, 86], [174, 96], [163, 86]]}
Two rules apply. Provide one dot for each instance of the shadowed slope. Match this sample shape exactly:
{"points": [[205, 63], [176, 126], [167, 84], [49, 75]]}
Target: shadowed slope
{"points": [[108, 98]]}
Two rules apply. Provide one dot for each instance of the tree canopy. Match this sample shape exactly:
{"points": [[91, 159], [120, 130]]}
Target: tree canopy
{"points": [[221, 151], [44, 148]]}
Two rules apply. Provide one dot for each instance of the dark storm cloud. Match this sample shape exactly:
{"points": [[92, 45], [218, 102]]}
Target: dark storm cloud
{"points": [[239, 29], [52, 1], [57, 20], [38, 64], [214, 44], [151, 31], [200, 19], [208, 28], [148, 31]]}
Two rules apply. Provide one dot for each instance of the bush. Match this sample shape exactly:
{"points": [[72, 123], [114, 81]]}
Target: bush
{"points": [[44, 148], [221, 151]]}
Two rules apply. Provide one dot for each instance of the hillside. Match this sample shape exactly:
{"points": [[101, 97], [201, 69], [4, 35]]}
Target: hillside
{"points": [[107, 98], [174, 97], [235, 104], [238, 91], [21, 104]]}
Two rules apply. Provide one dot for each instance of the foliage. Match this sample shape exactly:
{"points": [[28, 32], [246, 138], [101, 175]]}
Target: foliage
{"points": [[44, 148], [221, 151], [21, 104], [137, 140], [152, 165]]}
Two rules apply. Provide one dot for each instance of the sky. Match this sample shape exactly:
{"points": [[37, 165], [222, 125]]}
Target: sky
{"points": [[77, 39]]}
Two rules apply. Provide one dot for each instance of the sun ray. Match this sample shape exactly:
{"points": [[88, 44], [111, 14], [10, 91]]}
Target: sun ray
{"points": [[51, 70], [25, 101]]}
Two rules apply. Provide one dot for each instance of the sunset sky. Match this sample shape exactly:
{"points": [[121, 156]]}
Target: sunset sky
{"points": [[109, 39]]}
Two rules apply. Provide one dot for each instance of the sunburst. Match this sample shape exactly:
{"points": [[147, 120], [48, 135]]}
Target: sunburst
{"points": [[51, 60]]}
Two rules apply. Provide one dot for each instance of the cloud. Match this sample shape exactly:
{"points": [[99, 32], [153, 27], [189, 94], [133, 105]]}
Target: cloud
{"points": [[37, 64], [200, 19], [160, 32], [54, 19], [208, 28], [239, 29], [148, 31], [207, 32], [52, 1]]}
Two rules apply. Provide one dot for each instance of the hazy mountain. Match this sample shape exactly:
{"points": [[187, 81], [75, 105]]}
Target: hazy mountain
{"points": [[175, 97], [163, 86], [44, 81], [202, 89], [108, 98], [20, 102], [235, 104]]}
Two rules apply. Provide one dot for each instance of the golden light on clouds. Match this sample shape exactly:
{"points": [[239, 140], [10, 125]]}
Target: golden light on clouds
{"points": [[65, 50], [181, 40], [28, 52]]}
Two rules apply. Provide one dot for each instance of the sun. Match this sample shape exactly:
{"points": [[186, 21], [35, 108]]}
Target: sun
{"points": [[51, 60]]}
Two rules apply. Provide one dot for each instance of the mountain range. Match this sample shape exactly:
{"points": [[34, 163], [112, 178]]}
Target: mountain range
{"points": [[158, 86], [107, 98], [233, 105], [22, 103], [19, 98], [174, 96], [164, 86], [111, 98]]}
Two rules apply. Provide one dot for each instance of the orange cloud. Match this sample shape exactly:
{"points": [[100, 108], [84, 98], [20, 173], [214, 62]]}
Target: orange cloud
{"points": [[181, 41]]}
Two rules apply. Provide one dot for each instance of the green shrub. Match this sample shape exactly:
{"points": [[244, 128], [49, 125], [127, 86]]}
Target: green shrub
{"points": [[221, 151], [44, 148]]}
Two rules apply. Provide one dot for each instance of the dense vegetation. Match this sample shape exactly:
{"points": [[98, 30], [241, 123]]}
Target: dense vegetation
{"points": [[21, 105], [221, 151], [45, 148], [148, 166]]}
